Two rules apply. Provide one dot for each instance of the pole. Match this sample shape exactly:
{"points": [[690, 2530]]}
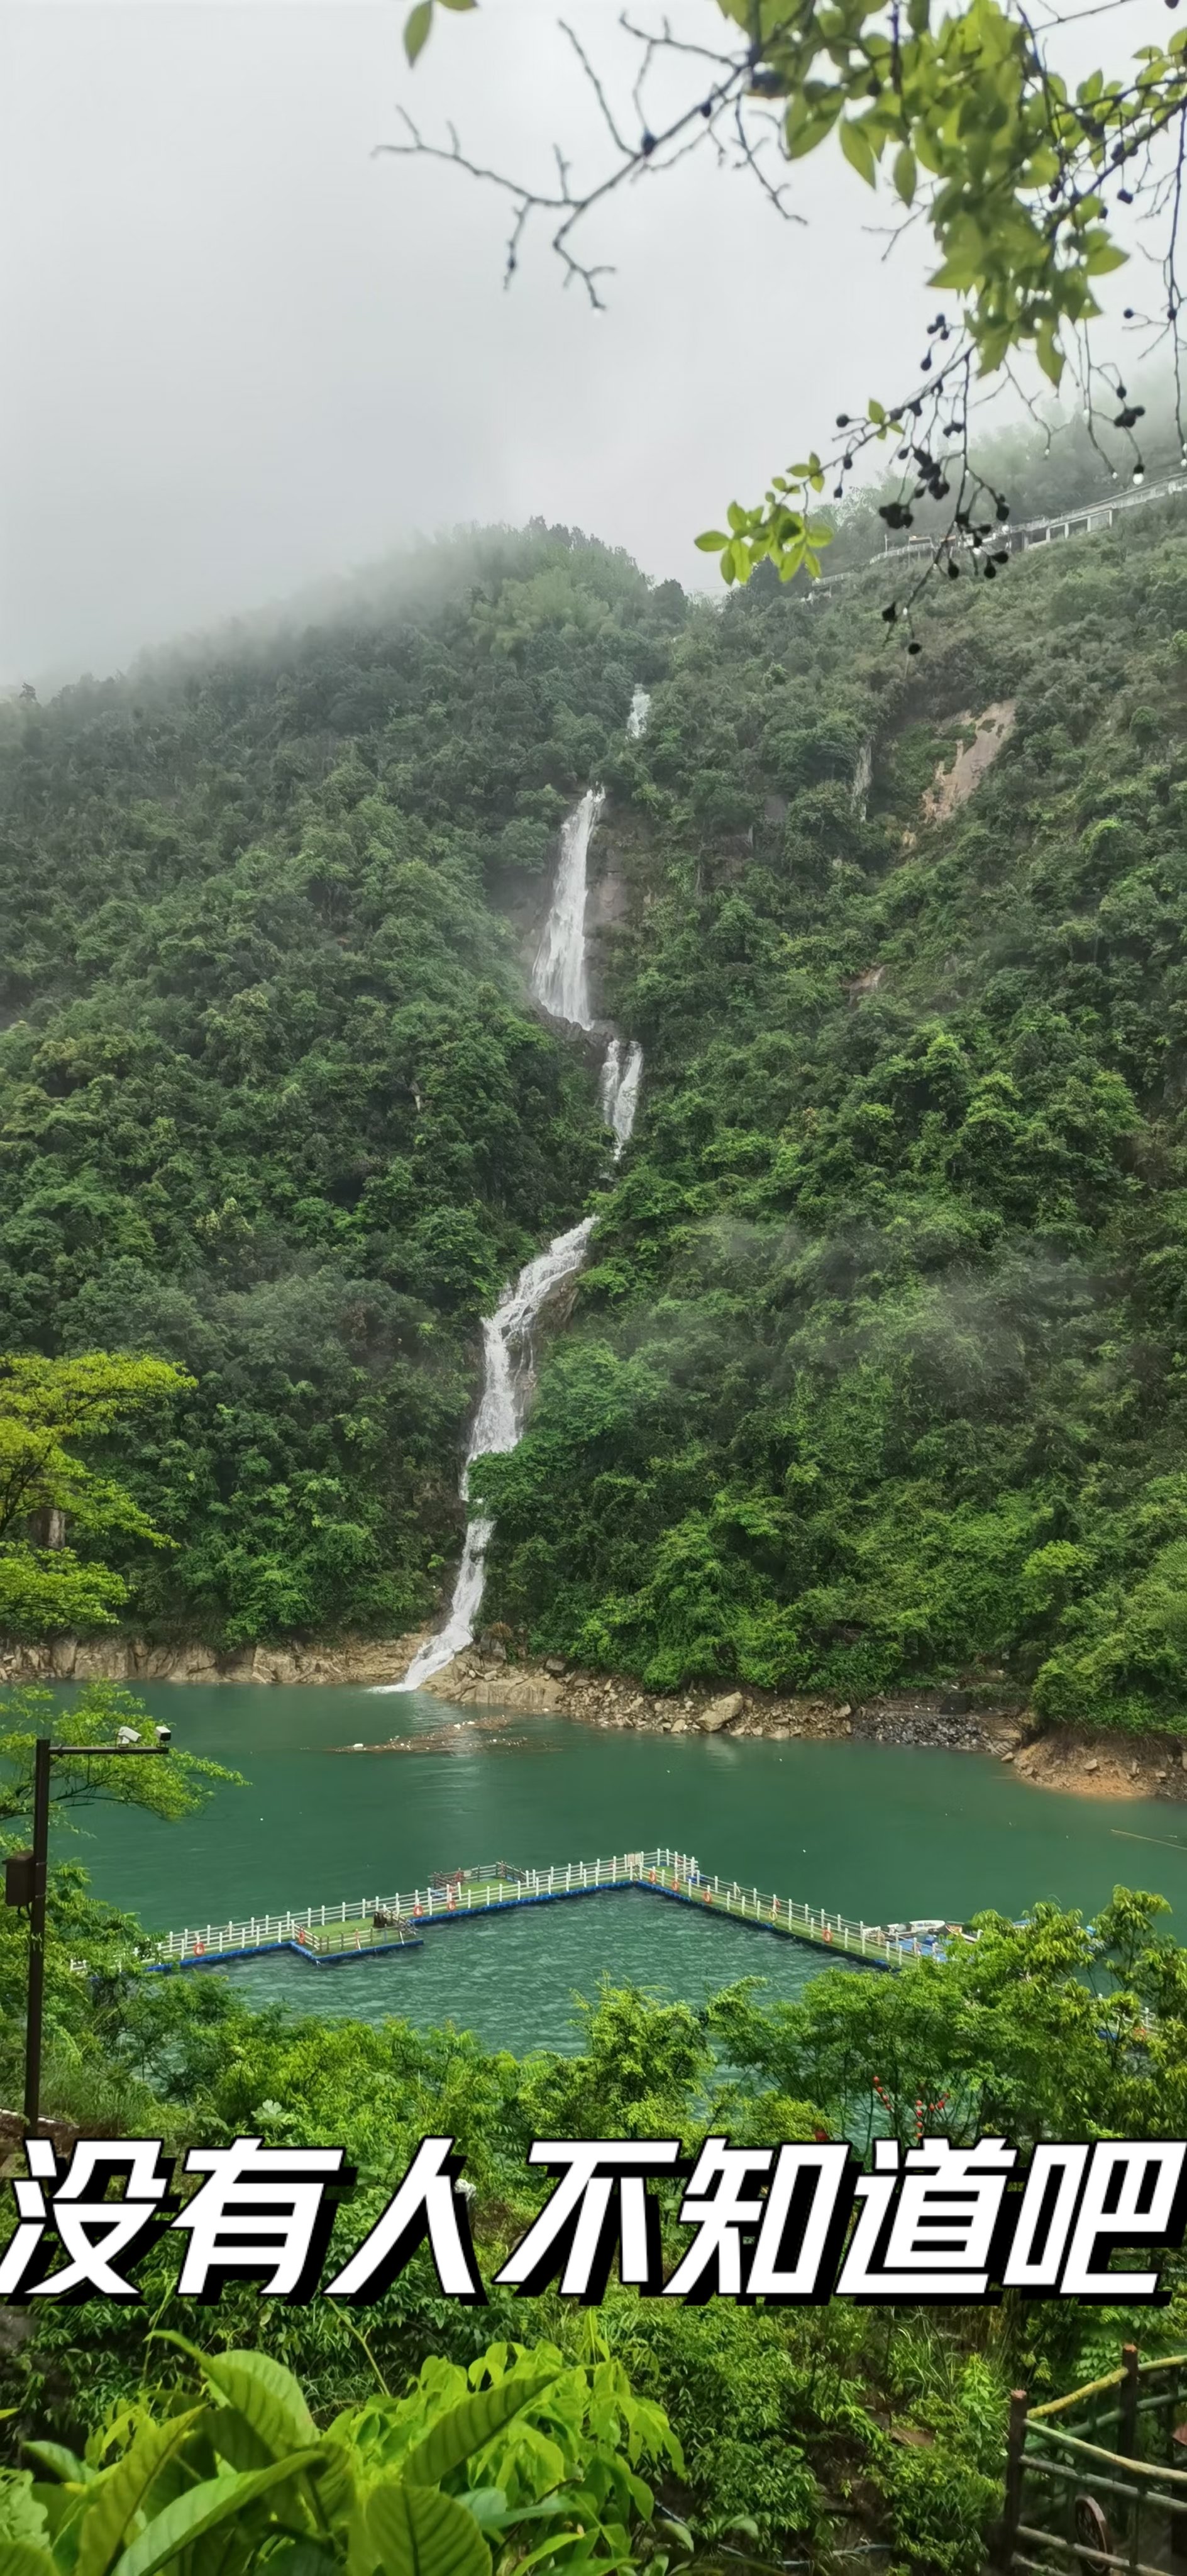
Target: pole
{"points": [[41, 1763], [1007, 2530], [43, 1755]]}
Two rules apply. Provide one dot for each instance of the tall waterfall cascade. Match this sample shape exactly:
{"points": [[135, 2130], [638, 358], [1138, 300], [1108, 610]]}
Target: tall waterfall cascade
{"points": [[560, 984]]}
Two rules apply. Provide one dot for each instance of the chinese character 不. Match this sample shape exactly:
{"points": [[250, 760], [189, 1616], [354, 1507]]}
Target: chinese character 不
{"points": [[600, 2204]]}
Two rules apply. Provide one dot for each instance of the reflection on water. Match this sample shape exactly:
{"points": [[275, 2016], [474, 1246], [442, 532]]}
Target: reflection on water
{"points": [[873, 1831]]}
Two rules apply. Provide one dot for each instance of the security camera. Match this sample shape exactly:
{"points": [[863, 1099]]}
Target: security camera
{"points": [[164, 1734]]}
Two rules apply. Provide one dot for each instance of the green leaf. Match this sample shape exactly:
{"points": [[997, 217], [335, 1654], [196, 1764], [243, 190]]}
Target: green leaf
{"points": [[417, 2531], [119, 2495], [1103, 256], [904, 175], [202, 2509], [459, 4], [20, 2558], [416, 28], [712, 541], [61, 2463], [466, 2427], [857, 148], [266, 2395]]}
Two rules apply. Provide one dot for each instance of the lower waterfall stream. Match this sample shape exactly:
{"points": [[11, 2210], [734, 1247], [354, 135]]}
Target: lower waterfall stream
{"points": [[560, 984]]}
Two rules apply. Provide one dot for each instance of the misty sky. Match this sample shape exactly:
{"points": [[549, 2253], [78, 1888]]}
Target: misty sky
{"points": [[242, 352]]}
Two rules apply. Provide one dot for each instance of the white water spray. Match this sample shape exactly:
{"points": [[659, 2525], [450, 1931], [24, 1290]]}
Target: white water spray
{"points": [[619, 1094], [560, 985], [636, 722]]}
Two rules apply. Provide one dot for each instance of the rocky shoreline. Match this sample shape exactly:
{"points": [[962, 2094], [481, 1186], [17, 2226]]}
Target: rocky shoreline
{"points": [[365, 1660], [985, 1717]]}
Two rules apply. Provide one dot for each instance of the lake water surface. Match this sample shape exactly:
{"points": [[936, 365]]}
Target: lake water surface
{"points": [[872, 1831]]}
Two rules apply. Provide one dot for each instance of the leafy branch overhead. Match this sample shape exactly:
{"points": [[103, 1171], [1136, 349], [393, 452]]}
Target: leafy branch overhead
{"points": [[966, 122]]}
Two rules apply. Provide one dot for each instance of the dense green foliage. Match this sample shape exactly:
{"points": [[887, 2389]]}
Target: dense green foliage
{"points": [[271, 1105], [875, 1376], [467, 2472], [46, 1407], [800, 2432]]}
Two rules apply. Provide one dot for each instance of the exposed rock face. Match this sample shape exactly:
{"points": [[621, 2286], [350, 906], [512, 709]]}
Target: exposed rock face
{"points": [[483, 1678], [721, 1712], [978, 1720], [952, 786], [1100, 1765], [131, 1659]]}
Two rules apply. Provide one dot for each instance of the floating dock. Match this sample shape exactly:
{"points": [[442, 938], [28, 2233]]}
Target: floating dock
{"points": [[372, 1927]]}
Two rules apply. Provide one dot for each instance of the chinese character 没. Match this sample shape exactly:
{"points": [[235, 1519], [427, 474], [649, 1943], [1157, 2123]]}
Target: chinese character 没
{"points": [[68, 2208]]}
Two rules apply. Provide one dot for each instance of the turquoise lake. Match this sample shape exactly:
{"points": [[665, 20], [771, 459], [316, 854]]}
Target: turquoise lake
{"points": [[872, 1831]]}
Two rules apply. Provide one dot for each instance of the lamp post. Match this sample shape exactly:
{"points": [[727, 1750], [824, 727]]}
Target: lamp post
{"points": [[25, 1880]]}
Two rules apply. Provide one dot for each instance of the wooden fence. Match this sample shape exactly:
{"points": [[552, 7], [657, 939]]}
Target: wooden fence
{"points": [[1098, 2479]]}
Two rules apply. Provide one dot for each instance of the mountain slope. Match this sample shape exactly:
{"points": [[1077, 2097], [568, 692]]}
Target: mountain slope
{"points": [[272, 1103], [876, 1376]]}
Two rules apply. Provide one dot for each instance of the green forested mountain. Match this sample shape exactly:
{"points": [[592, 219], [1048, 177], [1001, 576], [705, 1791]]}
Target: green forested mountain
{"points": [[272, 1103], [874, 1374]]}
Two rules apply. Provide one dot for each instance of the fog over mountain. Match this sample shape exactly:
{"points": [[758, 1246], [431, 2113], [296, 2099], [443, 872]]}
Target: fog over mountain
{"points": [[244, 352]]}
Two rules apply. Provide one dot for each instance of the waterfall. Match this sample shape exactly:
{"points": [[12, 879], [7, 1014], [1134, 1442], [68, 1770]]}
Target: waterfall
{"points": [[558, 977], [560, 984], [619, 1093], [636, 722]]}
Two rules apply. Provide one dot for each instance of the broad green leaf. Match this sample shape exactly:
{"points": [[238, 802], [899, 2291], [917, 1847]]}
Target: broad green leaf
{"points": [[712, 541], [235, 2440], [202, 2509], [417, 2531], [266, 2395], [301, 2558], [1103, 256], [857, 148], [61, 2463], [466, 2427], [416, 28], [489, 2506], [119, 2495], [904, 175], [21, 2558], [459, 4]]}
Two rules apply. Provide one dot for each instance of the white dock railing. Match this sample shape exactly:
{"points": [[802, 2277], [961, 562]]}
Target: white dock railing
{"points": [[324, 1928]]}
